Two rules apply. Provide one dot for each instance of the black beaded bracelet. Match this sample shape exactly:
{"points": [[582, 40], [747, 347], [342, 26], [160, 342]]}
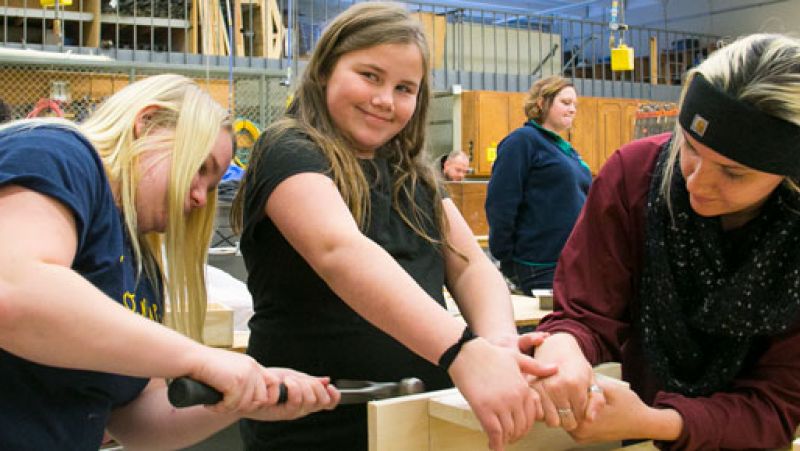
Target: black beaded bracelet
{"points": [[450, 354]]}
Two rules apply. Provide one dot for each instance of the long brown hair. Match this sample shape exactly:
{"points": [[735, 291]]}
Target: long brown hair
{"points": [[361, 26]]}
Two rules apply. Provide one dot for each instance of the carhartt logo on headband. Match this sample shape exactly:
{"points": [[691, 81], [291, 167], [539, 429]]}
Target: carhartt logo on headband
{"points": [[699, 125]]}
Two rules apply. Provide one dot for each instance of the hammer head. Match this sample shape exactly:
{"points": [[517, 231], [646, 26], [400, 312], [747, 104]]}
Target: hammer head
{"points": [[359, 392]]}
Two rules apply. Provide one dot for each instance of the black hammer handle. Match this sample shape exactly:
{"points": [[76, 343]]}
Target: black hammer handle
{"points": [[187, 392]]}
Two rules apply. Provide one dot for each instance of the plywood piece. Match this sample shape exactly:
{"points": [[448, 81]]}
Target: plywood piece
{"points": [[93, 31], [276, 33], [452, 408], [434, 26], [218, 328], [525, 309], [399, 424], [443, 421], [193, 30], [238, 27]]}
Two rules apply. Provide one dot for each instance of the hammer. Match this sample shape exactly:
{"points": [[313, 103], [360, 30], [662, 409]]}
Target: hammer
{"points": [[186, 392]]}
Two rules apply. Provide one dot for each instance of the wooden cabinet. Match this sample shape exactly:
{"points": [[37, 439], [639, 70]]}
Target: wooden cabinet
{"points": [[484, 122], [470, 198], [583, 131], [615, 127], [601, 126]]}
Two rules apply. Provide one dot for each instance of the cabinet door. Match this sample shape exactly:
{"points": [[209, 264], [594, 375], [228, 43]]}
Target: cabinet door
{"points": [[609, 129], [469, 127], [629, 121], [516, 110], [582, 133], [492, 128]]}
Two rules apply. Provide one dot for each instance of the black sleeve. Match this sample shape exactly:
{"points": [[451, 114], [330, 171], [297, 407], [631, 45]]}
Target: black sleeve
{"points": [[289, 155]]}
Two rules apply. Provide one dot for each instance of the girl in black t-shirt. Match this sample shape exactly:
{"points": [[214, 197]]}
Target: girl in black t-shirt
{"points": [[348, 243]]}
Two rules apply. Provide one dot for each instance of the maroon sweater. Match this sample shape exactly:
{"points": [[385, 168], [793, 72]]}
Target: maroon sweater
{"points": [[595, 293]]}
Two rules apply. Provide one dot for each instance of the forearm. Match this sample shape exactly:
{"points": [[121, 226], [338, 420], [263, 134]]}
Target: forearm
{"points": [[659, 424], [150, 423], [483, 299], [386, 296], [51, 315]]}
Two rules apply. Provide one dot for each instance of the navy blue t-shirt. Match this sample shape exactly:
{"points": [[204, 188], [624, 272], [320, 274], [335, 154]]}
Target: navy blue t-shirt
{"points": [[43, 407]]}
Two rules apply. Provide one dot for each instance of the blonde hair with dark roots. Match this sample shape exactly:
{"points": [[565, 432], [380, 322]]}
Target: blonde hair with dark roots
{"points": [[192, 120], [541, 96], [361, 26], [762, 70]]}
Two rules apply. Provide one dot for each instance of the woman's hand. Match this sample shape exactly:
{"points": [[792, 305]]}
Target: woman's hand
{"points": [[245, 385], [493, 381], [625, 416], [566, 397], [306, 394]]}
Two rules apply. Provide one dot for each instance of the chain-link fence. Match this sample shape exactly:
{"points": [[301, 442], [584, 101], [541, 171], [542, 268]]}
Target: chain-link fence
{"points": [[74, 91]]}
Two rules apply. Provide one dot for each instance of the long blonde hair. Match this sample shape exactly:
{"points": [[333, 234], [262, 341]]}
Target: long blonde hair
{"points": [[361, 26], [762, 70], [193, 121]]}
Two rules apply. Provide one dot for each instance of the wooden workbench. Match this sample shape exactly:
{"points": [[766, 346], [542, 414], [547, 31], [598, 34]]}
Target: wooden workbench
{"points": [[526, 309]]}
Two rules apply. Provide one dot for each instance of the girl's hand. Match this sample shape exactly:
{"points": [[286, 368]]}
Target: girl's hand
{"points": [[493, 381], [567, 397], [306, 394], [625, 416], [241, 380]]}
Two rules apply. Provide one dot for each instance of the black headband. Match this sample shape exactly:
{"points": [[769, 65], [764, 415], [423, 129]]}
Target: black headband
{"points": [[740, 131]]}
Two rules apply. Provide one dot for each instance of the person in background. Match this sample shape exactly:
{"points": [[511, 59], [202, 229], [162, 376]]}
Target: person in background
{"points": [[5, 112], [348, 244], [454, 166], [537, 188], [85, 213], [685, 267]]}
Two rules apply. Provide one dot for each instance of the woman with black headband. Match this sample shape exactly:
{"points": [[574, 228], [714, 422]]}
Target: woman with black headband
{"points": [[685, 267]]}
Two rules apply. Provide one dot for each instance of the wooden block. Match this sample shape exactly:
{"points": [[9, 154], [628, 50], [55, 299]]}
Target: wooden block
{"points": [[434, 27], [399, 424], [545, 298], [218, 329], [276, 33], [443, 421], [526, 309]]}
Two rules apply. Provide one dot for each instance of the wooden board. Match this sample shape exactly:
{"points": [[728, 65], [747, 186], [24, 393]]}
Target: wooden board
{"points": [[218, 327], [526, 309], [443, 421]]}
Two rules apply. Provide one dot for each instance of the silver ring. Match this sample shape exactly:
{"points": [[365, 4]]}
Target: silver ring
{"points": [[594, 388], [562, 412]]}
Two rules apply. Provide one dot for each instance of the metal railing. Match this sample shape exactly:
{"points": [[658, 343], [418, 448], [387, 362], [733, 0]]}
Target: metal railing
{"points": [[475, 48]]}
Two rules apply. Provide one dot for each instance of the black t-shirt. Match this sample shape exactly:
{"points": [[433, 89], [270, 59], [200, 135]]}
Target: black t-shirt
{"points": [[43, 407], [300, 323]]}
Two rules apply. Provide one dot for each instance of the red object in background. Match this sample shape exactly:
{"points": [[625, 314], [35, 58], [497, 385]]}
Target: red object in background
{"points": [[46, 104]]}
